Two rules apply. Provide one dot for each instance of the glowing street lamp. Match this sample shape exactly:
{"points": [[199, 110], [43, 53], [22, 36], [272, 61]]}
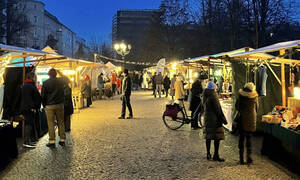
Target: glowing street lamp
{"points": [[122, 49]]}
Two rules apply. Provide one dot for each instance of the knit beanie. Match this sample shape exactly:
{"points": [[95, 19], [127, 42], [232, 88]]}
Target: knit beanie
{"points": [[211, 85], [52, 72]]}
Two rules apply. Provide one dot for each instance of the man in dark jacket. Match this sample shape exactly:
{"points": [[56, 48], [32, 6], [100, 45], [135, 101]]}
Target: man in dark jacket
{"points": [[53, 102], [167, 83], [195, 104], [247, 105], [126, 93], [30, 105]]}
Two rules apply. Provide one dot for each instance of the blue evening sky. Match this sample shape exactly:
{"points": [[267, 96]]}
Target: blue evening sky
{"points": [[89, 18]]}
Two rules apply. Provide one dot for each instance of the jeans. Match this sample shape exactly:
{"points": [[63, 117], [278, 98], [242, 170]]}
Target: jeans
{"points": [[158, 89], [167, 92], [126, 102], [52, 112], [29, 130]]}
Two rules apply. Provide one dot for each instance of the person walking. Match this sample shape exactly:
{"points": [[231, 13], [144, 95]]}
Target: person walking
{"points": [[195, 104], [179, 90], [159, 83], [68, 104], [113, 81], [100, 84], [86, 90], [246, 105], [167, 83], [53, 102], [126, 93], [213, 120], [145, 81], [154, 84], [172, 91], [30, 105]]}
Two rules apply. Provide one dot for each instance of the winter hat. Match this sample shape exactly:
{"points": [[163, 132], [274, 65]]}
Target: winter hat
{"points": [[250, 86], [211, 85], [52, 72]]}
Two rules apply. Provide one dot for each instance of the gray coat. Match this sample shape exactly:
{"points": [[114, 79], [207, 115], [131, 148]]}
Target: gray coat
{"points": [[213, 116], [159, 79]]}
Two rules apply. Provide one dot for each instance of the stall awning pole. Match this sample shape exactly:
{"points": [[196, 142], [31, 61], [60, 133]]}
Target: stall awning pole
{"points": [[24, 68], [273, 72], [283, 85], [283, 88]]}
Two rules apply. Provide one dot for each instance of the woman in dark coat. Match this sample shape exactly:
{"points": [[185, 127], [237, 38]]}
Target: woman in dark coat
{"points": [[195, 104], [213, 120], [68, 104], [167, 83], [246, 105], [86, 90]]}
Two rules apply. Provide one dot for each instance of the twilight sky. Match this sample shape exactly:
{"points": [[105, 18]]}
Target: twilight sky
{"points": [[93, 17]]}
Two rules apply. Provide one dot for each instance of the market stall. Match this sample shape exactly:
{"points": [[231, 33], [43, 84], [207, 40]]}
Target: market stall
{"points": [[282, 123]]}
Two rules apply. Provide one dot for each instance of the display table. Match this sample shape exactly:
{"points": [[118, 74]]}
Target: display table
{"points": [[8, 147], [282, 145], [227, 110]]}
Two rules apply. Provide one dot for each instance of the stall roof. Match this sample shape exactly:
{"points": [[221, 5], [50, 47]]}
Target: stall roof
{"points": [[271, 48], [224, 54], [8, 48]]}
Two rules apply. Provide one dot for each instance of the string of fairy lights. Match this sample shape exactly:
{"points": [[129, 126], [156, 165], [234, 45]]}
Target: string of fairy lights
{"points": [[98, 56]]}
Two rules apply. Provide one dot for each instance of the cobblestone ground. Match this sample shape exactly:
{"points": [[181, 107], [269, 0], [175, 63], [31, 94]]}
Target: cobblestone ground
{"points": [[100, 146]]}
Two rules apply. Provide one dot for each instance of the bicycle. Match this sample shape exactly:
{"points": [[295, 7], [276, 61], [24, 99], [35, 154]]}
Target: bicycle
{"points": [[177, 121]]}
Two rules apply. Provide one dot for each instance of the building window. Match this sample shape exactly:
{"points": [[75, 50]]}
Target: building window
{"points": [[35, 34], [35, 19], [35, 6]]}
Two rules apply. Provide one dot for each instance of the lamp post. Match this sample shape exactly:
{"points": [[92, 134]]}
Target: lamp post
{"points": [[122, 49]]}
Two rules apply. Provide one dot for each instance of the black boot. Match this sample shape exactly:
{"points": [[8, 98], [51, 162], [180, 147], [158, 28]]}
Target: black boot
{"points": [[216, 155], [249, 159], [242, 157]]}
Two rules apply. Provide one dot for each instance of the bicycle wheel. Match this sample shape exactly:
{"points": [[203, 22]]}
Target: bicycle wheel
{"points": [[175, 122]]}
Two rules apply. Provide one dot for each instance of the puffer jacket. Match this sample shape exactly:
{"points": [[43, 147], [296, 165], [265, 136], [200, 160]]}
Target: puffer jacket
{"points": [[213, 116], [247, 105]]}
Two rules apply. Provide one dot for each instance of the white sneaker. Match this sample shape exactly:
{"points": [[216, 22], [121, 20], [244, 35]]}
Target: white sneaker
{"points": [[28, 146]]}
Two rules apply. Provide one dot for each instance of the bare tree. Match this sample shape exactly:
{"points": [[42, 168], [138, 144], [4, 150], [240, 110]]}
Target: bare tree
{"points": [[17, 23]]}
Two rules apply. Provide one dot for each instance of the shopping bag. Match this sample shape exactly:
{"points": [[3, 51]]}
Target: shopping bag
{"points": [[171, 110]]}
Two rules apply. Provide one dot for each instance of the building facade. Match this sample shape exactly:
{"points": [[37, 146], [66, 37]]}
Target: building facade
{"points": [[45, 29], [131, 26]]}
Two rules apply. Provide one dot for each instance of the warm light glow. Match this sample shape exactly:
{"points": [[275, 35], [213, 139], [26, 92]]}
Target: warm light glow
{"points": [[122, 46], [174, 65], [68, 72], [218, 72], [297, 93], [191, 81], [196, 75], [79, 68], [119, 68], [116, 46], [72, 79]]}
